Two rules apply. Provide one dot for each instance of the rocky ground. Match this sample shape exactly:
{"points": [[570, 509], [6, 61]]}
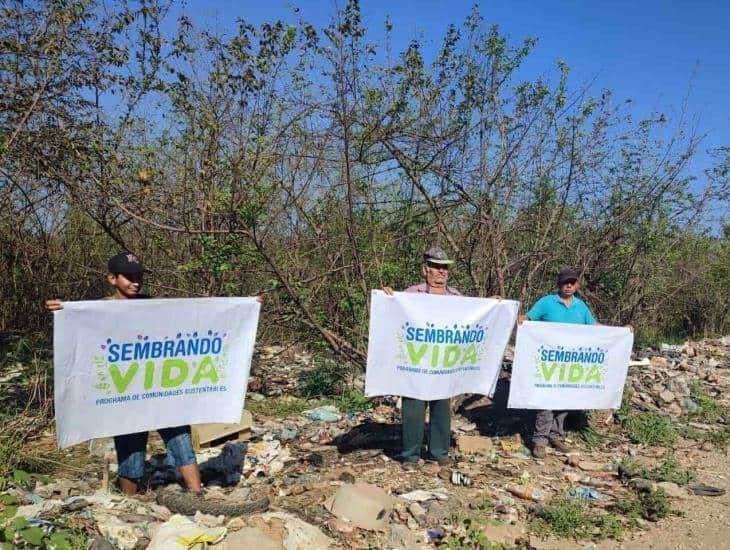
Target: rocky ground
{"points": [[328, 468]]}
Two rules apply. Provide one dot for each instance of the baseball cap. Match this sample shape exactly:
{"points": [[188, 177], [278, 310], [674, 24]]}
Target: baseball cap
{"points": [[436, 255], [566, 275], [125, 263]]}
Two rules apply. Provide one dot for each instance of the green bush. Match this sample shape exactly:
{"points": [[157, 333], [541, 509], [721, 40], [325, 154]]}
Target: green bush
{"points": [[327, 378], [649, 428], [566, 518]]}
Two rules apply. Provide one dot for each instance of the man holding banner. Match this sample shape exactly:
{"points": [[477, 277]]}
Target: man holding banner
{"points": [[435, 273], [563, 307], [427, 349]]}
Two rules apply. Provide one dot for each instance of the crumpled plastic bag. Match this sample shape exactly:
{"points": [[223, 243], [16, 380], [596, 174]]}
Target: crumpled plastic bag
{"points": [[179, 533]]}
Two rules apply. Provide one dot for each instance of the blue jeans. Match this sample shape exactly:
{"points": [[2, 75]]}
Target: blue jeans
{"points": [[131, 450]]}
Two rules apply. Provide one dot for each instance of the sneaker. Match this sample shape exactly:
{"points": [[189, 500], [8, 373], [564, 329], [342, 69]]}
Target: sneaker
{"points": [[560, 445], [539, 451]]}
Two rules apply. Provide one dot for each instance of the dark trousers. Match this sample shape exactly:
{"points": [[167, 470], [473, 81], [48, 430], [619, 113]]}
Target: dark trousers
{"points": [[439, 432], [549, 425]]}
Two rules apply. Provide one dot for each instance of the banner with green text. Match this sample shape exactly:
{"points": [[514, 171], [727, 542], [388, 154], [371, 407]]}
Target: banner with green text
{"points": [[561, 366], [125, 366], [428, 347]]}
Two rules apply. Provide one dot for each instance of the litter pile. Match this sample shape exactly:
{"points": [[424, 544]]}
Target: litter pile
{"points": [[329, 478]]}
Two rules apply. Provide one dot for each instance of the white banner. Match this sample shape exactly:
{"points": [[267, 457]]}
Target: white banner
{"points": [[125, 366], [562, 366], [429, 347]]}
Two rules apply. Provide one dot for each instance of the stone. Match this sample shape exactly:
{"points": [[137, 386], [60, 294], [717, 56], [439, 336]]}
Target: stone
{"points": [[252, 537], [504, 534], [100, 543], [573, 477], [572, 459], [590, 466], [341, 526], [300, 535], [673, 490], [417, 511], [365, 505], [674, 409], [235, 524], [474, 445], [402, 538], [667, 396]]}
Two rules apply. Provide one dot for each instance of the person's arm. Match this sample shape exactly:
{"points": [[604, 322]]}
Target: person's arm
{"points": [[589, 319], [534, 314], [54, 304]]}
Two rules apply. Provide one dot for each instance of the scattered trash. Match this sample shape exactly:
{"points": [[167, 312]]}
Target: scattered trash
{"points": [[705, 490], [525, 492], [460, 478], [180, 533], [328, 413], [225, 469], [435, 534], [346, 461], [511, 445], [585, 494], [420, 495]]}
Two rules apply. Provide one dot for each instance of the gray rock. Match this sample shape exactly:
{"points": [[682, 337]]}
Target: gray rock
{"points": [[672, 489], [400, 537]]}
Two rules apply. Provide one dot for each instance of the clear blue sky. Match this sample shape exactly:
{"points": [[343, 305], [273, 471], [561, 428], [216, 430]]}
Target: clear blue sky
{"points": [[651, 51]]}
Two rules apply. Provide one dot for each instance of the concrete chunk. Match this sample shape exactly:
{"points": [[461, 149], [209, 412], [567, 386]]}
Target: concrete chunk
{"points": [[474, 445], [365, 505]]}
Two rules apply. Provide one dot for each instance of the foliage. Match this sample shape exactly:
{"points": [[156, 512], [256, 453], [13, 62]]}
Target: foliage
{"points": [[710, 409], [20, 534], [353, 400], [720, 438], [669, 469], [472, 538], [566, 518], [280, 407], [314, 163], [470, 531], [325, 379], [25, 399], [588, 434], [651, 505], [649, 428]]}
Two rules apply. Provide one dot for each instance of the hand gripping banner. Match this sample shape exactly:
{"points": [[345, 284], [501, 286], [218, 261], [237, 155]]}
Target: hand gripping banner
{"points": [[563, 367], [428, 347], [125, 366]]}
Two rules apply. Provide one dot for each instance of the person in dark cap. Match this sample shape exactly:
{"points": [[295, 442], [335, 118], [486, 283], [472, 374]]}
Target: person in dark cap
{"points": [[562, 307], [125, 276]]}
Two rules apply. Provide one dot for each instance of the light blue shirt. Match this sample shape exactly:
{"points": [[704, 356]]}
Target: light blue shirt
{"points": [[552, 309]]}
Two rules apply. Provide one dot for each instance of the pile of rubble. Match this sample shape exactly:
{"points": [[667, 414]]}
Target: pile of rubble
{"points": [[664, 380], [332, 481]]}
